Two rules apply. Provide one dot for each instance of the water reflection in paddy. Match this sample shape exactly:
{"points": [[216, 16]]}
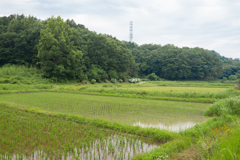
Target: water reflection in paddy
{"points": [[175, 127]]}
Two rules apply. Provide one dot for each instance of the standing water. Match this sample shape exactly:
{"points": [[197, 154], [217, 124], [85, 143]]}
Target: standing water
{"points": [[175, 127]]}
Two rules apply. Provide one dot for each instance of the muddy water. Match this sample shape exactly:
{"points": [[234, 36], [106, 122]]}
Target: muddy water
{"points": [[115, 147], [175, 127]]}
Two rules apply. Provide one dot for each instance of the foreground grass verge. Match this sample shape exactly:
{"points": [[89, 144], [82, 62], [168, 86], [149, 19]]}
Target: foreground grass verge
{"points": [[198, 138]]}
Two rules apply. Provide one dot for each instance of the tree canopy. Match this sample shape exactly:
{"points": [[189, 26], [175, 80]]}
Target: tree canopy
{"points": [[173, 63], [66, 50], [63, 49]]}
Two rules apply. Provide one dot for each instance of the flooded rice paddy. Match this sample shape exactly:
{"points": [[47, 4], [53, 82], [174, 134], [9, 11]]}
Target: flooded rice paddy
{"points": [[114, 147]]}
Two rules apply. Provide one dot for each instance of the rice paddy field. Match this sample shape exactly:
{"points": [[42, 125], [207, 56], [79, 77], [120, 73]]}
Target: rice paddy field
{"points": [[122, 110], [117, 121]]}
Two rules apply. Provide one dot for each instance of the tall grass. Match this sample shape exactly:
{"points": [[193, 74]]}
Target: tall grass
{"points": [[20, 74], [13, 70], [228, 106]]}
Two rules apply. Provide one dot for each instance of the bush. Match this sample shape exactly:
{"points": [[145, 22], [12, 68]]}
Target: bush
{"points": [[232, 77], [120, 80], [105, 85], [93, 81], [6, 80], [113, 80], [98, 80], [122, 75], [153, 77], [84, 82], [106, 81], [5, 88]]}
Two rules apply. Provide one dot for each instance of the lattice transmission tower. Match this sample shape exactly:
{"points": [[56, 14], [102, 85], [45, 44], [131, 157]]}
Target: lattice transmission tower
{"points": [[131, 29]]}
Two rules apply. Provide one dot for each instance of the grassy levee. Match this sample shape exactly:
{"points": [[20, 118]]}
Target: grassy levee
{"points": [[197, 100], [181, 94]]}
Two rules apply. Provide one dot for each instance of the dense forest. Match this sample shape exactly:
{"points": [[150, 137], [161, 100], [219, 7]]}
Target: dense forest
{"points": [[65, 50], [174, 63]]}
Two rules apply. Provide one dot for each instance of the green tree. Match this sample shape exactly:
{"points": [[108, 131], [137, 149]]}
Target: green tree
{"points": [[232, 77], [57, 54]]}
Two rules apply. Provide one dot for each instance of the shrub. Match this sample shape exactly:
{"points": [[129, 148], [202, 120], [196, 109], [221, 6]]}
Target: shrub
{"points": [[6, 80], [153, 77], [232, 77], [93, 81], [5, 88], [113, 80], [122, 75], [120, 80], [105, 85], [84, 82], [98, 80], [53, 80], [106, 81]]}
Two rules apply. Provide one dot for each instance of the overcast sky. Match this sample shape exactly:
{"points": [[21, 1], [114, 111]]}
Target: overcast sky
{"points": [[209, 24]]}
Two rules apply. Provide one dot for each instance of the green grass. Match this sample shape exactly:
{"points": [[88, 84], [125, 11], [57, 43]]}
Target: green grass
{"points": [[123, 110], [228, 144], [189, 96], [216, 83], [20, 74]]}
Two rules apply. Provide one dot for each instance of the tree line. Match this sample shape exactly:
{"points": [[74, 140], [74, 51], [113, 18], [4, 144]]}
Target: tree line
{"points": [[66, 50], [174, 63], [63, 49]]}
